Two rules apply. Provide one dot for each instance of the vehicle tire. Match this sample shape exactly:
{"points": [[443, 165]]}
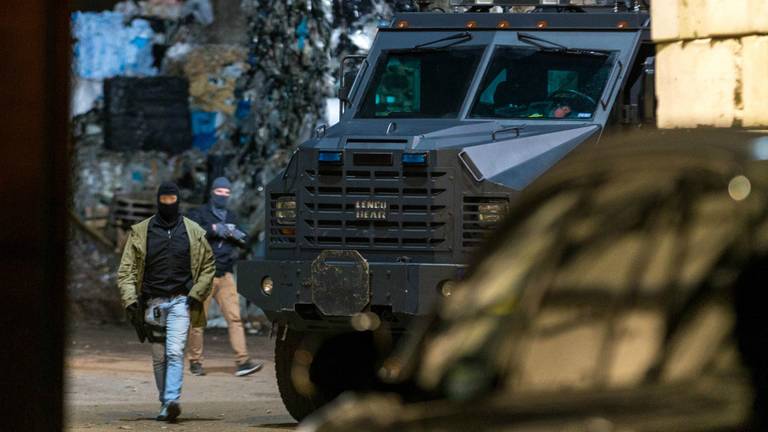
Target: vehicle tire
{"points": [[298, 404], [313, 369]]}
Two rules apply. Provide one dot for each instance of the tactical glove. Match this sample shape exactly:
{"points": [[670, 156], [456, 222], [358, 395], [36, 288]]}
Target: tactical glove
{"points": [[132, 312], [221, 229], [137, 321], [238, 236], [192, 302], [229, 232]]}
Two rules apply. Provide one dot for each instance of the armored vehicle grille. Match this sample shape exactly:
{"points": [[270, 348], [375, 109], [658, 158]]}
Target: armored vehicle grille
{"points": [[475, 230], [375, 208]]}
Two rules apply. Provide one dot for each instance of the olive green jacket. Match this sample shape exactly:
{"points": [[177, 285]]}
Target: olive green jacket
{"points": [[130, 274]]}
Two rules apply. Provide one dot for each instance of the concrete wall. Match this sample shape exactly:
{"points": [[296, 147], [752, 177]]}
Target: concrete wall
{"points": [[712, 62]]}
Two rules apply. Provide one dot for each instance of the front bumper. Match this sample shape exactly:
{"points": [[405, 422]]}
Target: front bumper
{"points": [[396, 291]]}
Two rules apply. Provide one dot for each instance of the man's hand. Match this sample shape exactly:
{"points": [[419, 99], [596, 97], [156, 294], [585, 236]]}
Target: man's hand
{"points": [[221, 229], [229, 232], [132, 311], [192, 302], [194, 306], [137, 321], [236, 235]]}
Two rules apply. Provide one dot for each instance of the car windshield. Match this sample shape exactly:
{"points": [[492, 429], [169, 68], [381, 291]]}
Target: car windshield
{"points": [[426, 83], [529, 83]]}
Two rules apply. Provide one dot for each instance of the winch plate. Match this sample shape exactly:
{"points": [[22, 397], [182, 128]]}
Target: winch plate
{"points": [[341, 284]]}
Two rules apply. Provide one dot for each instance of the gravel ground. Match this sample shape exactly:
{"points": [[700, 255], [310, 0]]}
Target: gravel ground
{"points": [[110, 386]]}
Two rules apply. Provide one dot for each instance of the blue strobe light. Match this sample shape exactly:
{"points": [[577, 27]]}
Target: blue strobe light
{"points": [[330, 157], [415, 159]]}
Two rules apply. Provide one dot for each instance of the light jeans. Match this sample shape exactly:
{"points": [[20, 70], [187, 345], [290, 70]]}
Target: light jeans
{"points": [[168, 357]]}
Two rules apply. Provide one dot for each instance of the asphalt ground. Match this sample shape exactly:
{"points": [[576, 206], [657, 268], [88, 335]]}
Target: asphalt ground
{"points": [[110, 387]]}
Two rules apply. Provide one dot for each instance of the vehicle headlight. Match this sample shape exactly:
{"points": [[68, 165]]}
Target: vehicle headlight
{"points": [[286, 210], [492, 212], [446, 288], [267, 285]]}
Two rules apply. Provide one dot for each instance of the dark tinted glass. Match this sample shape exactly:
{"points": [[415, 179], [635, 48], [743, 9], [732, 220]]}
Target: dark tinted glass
{"points": [[420, 84], [530, 83]]}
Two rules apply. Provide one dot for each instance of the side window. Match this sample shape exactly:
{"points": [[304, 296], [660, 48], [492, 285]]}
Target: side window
{"points": [[583, 340], [591, 328], [564, 347], [399, 89]]}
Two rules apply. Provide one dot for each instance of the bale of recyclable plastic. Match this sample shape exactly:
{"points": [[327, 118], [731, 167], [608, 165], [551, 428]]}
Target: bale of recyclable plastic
{"points": [[147, 114], [213, 72]]}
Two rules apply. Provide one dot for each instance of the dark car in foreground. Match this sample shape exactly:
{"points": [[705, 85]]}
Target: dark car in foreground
{"points": [[622, 294]]}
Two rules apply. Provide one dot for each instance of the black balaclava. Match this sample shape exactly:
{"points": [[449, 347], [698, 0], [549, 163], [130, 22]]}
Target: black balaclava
{"points": [[218, 202], [169, 213]]}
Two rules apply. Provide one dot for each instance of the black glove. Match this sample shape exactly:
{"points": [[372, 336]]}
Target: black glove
{"points": [[132, 312], [192, 302], [137, 321], [238, 236], [229, 232], [222, 230]]}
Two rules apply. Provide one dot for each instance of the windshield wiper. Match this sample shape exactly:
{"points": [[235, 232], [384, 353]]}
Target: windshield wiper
{"points": [[458, 38], [537, 41], [556, 47]]}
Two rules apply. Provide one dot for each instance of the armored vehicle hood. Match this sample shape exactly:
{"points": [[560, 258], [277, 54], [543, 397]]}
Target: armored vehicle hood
{"points": [[510, 154]]}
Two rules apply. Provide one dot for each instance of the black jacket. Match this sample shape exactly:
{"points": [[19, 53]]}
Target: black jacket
{"points": [[224, 249], [167, 270]]}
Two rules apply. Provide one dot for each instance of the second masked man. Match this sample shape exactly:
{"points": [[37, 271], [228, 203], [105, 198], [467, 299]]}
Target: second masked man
{"points": [[224, 237]]}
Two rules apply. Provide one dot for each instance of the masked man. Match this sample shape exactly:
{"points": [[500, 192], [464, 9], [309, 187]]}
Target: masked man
{"points": [[225, 238], [165, 276]]}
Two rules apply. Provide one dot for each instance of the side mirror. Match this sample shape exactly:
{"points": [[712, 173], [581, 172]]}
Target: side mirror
{"points": [[649, 90], [639, 106], [347, 79], [345, 87]]}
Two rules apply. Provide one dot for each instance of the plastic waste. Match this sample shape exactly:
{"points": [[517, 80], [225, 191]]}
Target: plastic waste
{"points": [[107, 46], [201, 10]]}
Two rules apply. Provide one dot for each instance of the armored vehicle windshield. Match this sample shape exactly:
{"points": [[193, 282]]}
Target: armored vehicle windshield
{"points": [[563, 76], [420, 83], [542, 84]]}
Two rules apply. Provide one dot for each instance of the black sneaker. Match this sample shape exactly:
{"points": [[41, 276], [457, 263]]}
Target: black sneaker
{"points": [[173, 410], [248, 367], [196, 368]]}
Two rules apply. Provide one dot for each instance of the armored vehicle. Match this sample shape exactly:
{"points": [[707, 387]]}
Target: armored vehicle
{"points": [[450, 116]]}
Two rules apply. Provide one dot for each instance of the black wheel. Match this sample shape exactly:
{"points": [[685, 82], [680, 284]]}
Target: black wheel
{"points": [[313, 369], [299, 401]]}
